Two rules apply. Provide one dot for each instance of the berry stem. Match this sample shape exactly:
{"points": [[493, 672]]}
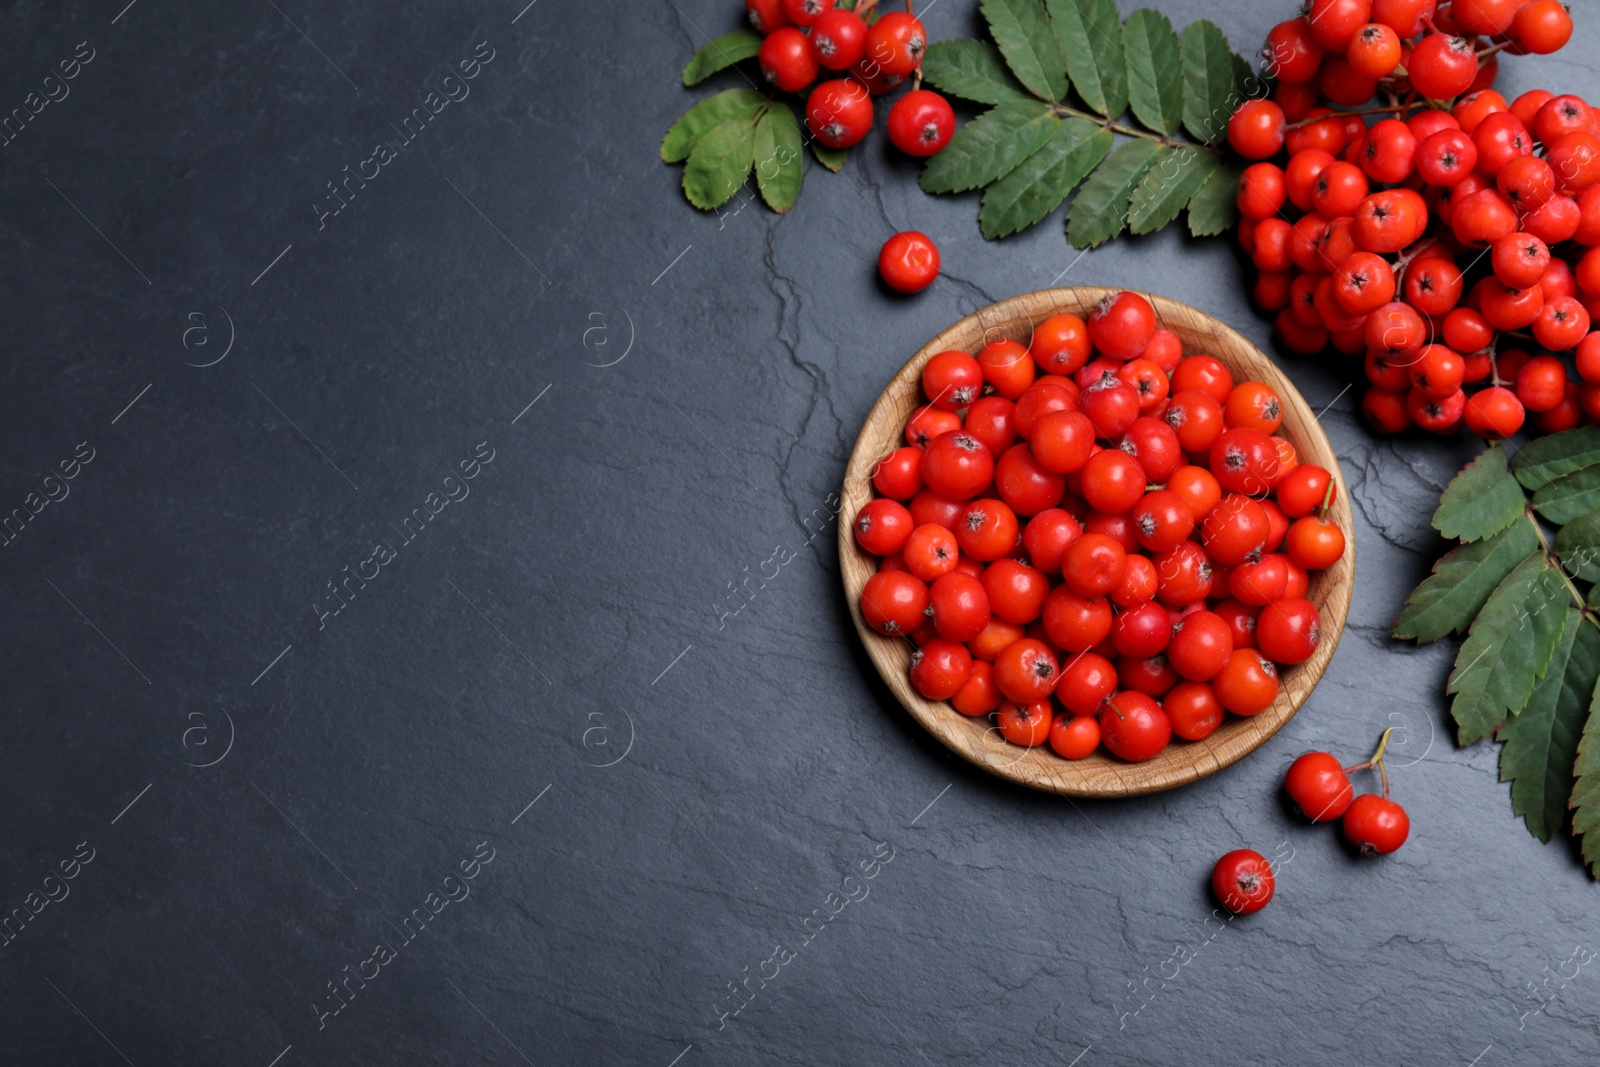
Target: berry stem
{"points": [[1386, 110], [1376, 760], [1484, 53], [1327, 501]]}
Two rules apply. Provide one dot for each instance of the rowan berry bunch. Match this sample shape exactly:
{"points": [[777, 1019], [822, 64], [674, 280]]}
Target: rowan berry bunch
{"points": [[1321, 789], [807, 39], [1097, 538], [1450, 244]]}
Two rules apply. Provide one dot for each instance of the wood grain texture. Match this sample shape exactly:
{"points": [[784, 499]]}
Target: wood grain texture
{"points": [[977, 740]]}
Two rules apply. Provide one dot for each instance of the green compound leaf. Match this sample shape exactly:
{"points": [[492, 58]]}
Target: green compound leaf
{"points": [[719, 53], [1577, 544], [1155, 70], [1508, 649], [989, 147], [1167, 186], [720, 163], [1043, 180], [1021, 29], [1585, 802], [1482, 500], [1570, 496], [1214, 208], [712, 111], [1448, 600], [1090, 35], [1559, 454], [778, 155], [1209, 92], [832, 158], [1541, 744], [972, 70], [1100, 210]]}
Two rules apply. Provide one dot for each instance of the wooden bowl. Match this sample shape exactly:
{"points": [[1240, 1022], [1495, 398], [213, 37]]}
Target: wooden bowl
{"points": [[977, 740]]}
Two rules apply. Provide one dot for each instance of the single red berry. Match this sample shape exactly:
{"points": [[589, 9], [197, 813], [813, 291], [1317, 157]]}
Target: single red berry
{"points": [[940, 668], [805, 12], [839, 112], [1443, 66], [1242, 881], [840, 39], [765, 15], [1121, 325], [1319, 787], [1255, 130], [921, 123], [896, 43], [909, 262], [1133, 726], [787, 60], [1376, 824]]}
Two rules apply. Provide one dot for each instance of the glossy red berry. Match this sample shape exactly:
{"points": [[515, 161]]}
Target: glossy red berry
{"points": [[1256, 129], [1121, 325], [839, 112], [840, 39], [1443, 66], [1376, 824], [787, 60], [1319, 787], [1242, 881], [896, 43], [921, 123], [909, 262]]}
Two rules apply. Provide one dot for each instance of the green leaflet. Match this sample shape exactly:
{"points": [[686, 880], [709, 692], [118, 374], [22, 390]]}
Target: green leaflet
{"points": [[989, 146], [720, 53], [1507, 649], [1541, 744], [1214, 208], [720, 163], [698, 120], [1167, 186], [1481, 500], [777, 157], [1155, 70], [1461, 583], [972, 70], [1585, 802], [1022, 31], [1100, 210], [1567, 497], [1043, 180], [1548, 458], [1209, 90], [1090, 35], [1578, 546], [832, 158]]}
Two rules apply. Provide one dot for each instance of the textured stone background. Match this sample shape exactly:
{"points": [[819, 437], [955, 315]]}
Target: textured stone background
{"points": [[563, 616]]}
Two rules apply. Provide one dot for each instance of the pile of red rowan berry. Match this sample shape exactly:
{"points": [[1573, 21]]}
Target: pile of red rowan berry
{"points": [[802, 38], [1446, 240], [1098, 521]]}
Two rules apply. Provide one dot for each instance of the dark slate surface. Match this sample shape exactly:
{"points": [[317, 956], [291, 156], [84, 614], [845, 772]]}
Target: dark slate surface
{"points": [[698, 787]]}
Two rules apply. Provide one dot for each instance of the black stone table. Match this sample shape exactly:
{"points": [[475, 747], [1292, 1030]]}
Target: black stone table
{"points": [[373, 672]]}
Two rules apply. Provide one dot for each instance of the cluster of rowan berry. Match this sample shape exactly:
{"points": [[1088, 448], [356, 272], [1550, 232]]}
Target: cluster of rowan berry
{"points": [[802, 38], [1447, 239], [1096, 517], [1244, 880], [805, 37]]}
